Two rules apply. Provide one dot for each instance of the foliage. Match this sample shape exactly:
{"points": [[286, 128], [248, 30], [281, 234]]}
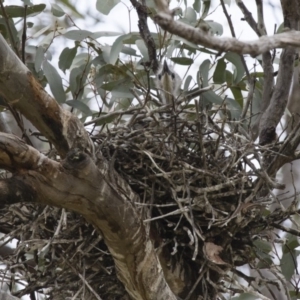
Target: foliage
{"points": [[193, 165]]}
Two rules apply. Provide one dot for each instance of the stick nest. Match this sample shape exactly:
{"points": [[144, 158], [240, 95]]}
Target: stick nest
{"points": [[197, 178]]}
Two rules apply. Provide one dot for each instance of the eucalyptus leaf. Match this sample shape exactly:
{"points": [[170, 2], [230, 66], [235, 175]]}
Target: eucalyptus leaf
{"points": [[78, 35], [197, 5], [184, 61], [116, 49], [291, 243], [205, 8], [219, 76], [41, 31], [66, 58], [238, 96], [211, 97], [187, 82], [80, 106], [39, 57], [190, 15], [235, 59], [245, 296], [233, 108], [129, 51], [56, 10], [143, 49], [14, 11], [55, 82], [204, 69], [288, 264], [105, 6]]}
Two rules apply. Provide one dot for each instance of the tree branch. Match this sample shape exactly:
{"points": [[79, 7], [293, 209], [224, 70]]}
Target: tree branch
{"points": [[198, 36], [24, 93], [275, 110], [103, 198], [141, 10]]}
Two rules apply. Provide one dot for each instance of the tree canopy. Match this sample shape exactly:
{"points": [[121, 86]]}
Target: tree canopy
{"points": [[114, 187]]}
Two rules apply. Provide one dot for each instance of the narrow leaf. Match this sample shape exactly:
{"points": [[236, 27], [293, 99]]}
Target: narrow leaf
{"points": [[78, 35], [105, 6], [219, 74], [204, 68], [14, 11], [197, 5], [116, 49], [66, 58], [184, 61], [80, 106], [55, 82], [235, 59], [57, 11], [39, 57]]}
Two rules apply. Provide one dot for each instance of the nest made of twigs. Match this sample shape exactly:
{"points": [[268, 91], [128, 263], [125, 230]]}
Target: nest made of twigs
{"points": [[194, 174]]}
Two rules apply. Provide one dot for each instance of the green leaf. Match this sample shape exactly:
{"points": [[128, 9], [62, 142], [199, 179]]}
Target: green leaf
{"points": [[116, 49], [72, 8], [219, 76], [80, 106], [245, 296], [211, 97], [113, 85], [235, 59], [77, 80], [55, 82], [263, 246], [229, 78], [39, 57], [238, 96], [106, 120], [105, 6], [41, 31], [121, 92], [190, 15], [288, 264], [78, 35], [204, 68], [66, 58], [205, 8], [57, 11], [143, 49], [124, 103], [291, 243], [197, 5], [14, 11], [129, 51], [233, 109], [27, 2], [187, 82], [184, 61]]}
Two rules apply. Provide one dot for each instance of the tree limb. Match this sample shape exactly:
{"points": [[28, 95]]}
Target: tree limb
{"points": [[24, 93], [198, 36], [275, 110], [103, 198]]}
